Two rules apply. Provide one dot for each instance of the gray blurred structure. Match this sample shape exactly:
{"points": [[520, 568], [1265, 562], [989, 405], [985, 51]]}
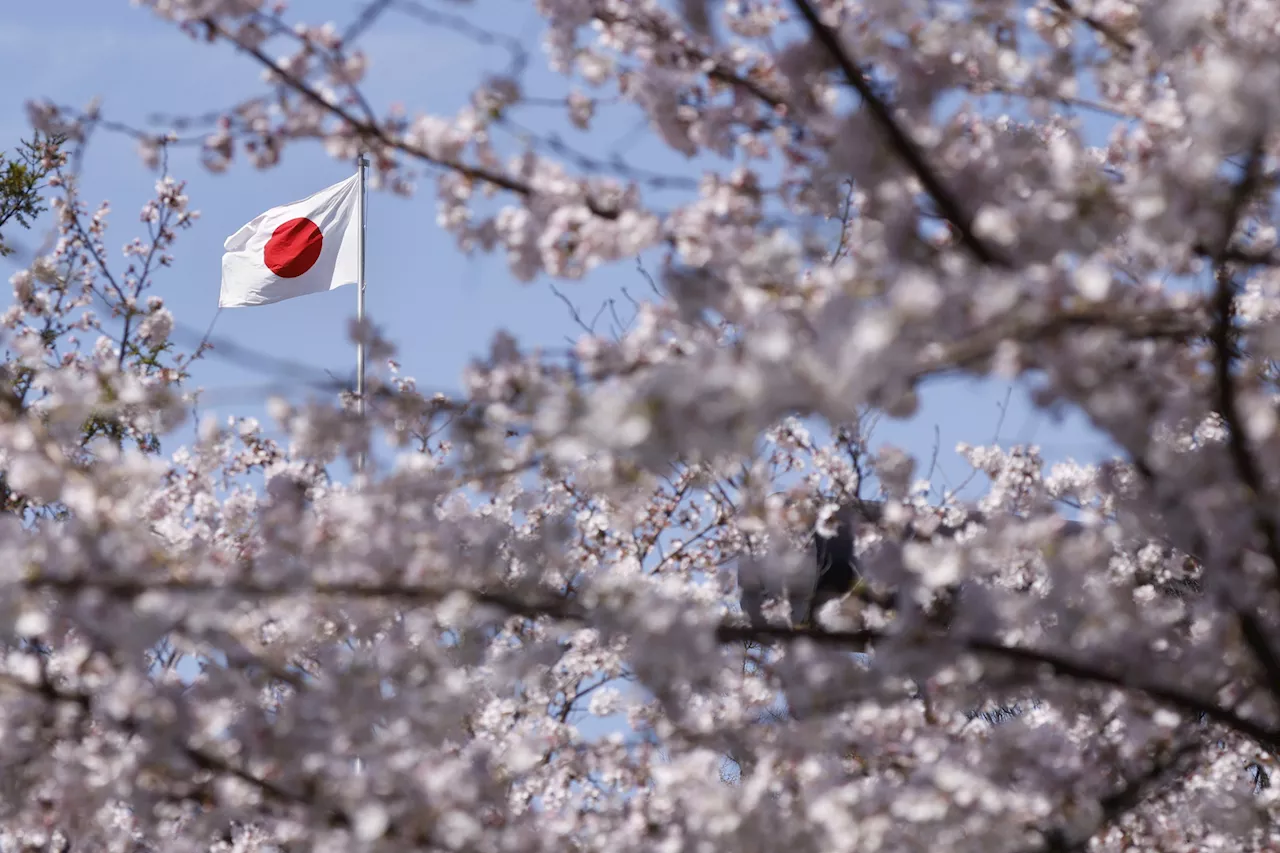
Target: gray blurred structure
{"points": [[829, 570]]}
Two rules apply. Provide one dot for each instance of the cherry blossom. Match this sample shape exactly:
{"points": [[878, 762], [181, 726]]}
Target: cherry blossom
{"points": [[556, 611]]}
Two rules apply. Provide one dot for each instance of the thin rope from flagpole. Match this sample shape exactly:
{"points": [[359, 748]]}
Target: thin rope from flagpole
{"points": [[362, 165]]}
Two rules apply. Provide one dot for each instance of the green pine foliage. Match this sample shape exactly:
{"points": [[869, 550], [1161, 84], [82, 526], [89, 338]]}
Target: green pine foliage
{"points": [[22, 178]]}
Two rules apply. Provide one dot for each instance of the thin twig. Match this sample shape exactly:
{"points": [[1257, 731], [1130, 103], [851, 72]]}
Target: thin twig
{"points": [[369, 131]]}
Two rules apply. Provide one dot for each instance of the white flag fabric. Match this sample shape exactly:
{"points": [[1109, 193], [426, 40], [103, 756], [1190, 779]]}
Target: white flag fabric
{"points": [[308, 246]]}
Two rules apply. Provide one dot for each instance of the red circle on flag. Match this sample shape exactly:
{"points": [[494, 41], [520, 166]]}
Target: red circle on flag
{"points": [[294, 248]]}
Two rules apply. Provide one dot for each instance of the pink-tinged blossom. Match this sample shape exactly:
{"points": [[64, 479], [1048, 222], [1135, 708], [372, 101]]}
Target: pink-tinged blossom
{"points": [[214, 643]]}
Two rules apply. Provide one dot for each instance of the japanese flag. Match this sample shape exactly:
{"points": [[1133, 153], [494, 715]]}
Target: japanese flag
{"points": [[305, 247]]}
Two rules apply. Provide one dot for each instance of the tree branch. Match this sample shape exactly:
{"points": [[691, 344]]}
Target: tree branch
{"points": [[901, 143], [1124, 799], [1174, 324], [1103, 29], [1242, 458], [334, 815], [367, 130], [1057, 664]]}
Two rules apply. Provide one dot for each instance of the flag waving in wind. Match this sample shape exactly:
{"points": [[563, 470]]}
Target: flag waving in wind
{"points": [[305, 247]]}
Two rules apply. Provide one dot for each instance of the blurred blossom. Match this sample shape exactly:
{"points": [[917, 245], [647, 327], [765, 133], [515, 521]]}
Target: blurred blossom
{"points": [[562, 610]]}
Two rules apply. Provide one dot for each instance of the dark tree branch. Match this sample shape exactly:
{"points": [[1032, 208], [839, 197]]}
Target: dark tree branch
{"points": [[368, 15], [1104, 30], [1242, 457], [402, 594], [369, 131], [900, 141], [1180, 325], [1051, 662], [1124, 799], [201, 759]]}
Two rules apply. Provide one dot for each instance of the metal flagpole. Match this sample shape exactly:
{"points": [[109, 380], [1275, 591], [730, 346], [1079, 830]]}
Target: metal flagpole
{"points": [[362, 165]]}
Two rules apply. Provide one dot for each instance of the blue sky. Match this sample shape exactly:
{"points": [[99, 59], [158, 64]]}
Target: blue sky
{"points": [[440, 307]]}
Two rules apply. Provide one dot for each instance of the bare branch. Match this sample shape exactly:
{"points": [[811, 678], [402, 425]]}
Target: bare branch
{"points": [[900, 141], [1109, 35], [371, 132], [1034, 659]]}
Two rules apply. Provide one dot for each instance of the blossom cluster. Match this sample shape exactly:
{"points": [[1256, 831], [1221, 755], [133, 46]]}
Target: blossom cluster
{"points": [[520, 628]]}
